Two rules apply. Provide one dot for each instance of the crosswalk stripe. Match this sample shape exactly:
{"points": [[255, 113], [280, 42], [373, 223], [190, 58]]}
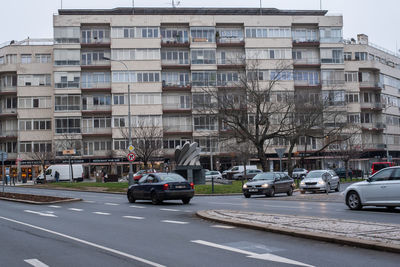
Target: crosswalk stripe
{"points": [[177, 222], [133, 217], [101, 213]]}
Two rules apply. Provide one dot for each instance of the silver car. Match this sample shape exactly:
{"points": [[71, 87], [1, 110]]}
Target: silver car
{"points": [[320, 180], [213, 175], [381, 189], [249, 174]]}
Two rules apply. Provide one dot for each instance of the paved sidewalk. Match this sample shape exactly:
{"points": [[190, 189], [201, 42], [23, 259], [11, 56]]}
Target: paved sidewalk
{"points": [[370, 235]]}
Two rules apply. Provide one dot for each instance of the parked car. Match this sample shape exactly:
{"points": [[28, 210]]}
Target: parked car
{"points": [[269, 183], [228, 174], [380, 189], [299, 173], [341, 172], [158, 187], [64, 171], [320, 180], [376, 166], [139, 174], [213, 174], [249, 174]]}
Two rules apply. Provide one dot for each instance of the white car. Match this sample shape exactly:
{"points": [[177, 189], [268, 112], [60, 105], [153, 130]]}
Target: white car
{"points": [[381, 189], [320, 180], [213, 174]]}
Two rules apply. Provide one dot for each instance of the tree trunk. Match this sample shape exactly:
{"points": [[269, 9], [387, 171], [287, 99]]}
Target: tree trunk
{"points": [[289, 159], [346, 167], [262, 158]]}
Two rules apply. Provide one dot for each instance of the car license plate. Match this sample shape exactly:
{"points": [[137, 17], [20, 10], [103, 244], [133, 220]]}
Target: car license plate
{"points": [[253, 190], [180, 186]]}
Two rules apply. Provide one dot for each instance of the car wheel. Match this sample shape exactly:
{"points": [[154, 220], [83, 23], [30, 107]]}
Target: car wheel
{"points": [[186, 200], [302, 192], [247, 195], [131, 199], [154, 199], [290, 192], [272, 193], [391, 208], [337, 187], [353, 201]]}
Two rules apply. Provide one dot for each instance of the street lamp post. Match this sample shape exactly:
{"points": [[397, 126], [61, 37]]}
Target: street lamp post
{"points": [[130, 180]]}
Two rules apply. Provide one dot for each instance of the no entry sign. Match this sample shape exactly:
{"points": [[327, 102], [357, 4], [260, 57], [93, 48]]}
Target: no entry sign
{"points": [[131, 156]]}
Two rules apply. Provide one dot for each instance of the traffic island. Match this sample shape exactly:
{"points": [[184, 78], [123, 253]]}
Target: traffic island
{"points": [[378, 236], [35, 199]]}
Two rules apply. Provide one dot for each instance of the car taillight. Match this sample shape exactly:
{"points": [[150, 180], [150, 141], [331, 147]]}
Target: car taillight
{"points": [[165, 187], [192, 185]]}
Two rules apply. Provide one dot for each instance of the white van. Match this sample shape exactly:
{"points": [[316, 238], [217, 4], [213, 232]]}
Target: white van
{"points": [[64, 171], [228, 174]]}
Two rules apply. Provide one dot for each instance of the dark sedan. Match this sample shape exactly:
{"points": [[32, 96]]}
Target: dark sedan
{"points": [[161, 186], [269, 183]]}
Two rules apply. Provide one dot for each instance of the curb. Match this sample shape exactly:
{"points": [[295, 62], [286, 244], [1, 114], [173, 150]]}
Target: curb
{"points": [[76, 190], [41, 203], [305, 234]]}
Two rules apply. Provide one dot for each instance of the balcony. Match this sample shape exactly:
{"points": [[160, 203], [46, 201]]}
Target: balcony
{"points": [[175, 64], [370, 86], [95, 64], [96, 109], [372, 106], [176, 86], [9, 90], [307, 63], [230, 41], [9, 134], [175, 42], [96, 87], [305, 42], [176, 108], [304, 84], [90, 131], [9, 112], [178, 129], [231, 63], [378, 126], [66, 85], [95, 42]]}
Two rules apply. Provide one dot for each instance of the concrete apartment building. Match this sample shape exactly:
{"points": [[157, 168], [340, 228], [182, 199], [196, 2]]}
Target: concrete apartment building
{"points": [[168, 55]]}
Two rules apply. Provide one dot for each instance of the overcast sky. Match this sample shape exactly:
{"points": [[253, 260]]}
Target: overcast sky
{"points": [[380, 20]]}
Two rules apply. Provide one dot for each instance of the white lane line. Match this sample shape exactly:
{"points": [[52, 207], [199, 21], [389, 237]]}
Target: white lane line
{"points": [[138, 207], [287, 207], [133, 217], [177, 222], [54, 206], [36, 263], [130, 256], [41, 213], [111, 204], [188, 211], [223, 226], [101, 213], [88, 201], [75, 209], [169, 209], [267, 256], [225, 203]]}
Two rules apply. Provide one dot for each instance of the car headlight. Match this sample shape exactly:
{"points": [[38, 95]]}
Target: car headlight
{"points": [[302, 183], [321, 182], [264, 185], [245, 186]]}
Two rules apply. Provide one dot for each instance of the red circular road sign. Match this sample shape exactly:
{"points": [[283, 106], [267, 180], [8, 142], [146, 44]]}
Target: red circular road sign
{"points": [[131, 156]]}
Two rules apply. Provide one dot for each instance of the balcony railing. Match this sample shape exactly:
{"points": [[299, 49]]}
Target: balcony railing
{"points": [[91, 130], [8, 111], [307, 61], [67, 85], [177, 106], [176, 40], [95, 85], [8, 89], [371, 84], [240, 60], [175, 62], [178, 128], [377, 106], [8, 133], [230, 40], [306, 83], [96, 107], [95, 40], [98, 63], [333, 82]]}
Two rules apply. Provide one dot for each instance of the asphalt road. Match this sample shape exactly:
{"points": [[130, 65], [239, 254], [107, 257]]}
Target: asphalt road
{"points": [[106, 230]]}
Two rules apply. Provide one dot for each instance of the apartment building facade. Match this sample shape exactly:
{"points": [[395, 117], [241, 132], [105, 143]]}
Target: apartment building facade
{"points": [[168, 56]]}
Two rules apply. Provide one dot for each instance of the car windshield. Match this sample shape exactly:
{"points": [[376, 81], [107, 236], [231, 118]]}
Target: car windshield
{"points": [[264, 176], [315, 174], [208, 173], [171, 177], [297, 170]]}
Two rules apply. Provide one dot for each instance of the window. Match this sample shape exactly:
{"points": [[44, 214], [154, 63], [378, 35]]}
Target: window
{"points": [[65, 57], [207, 144], [383, 175], [43, 58], [120, 122], [68, 125], [67, 80], [366, 118], [204, 78], [347, 56], [26, 58], [229, 35], [203, 56], [306, 77], [147, 32], [201, 100], [228, 78], [133, 77], [258, 32], [95, 57], [66, 35], [34, 102], [202, 34], [333, 56], [173, 143], [177, 123], [119, 99], [146, 99], [120, 144], [351, 77], [334, 97], [11, 59], [136, 54], [311, 142], [205, 122], [2, 60], [353, 118], [96, 79], [305, 35], [34, 80], [268, 53], [332, 77], [330, 35], [123, 32], [174, 35], [175, 78], [67, 102], [175, 57], [95, 35], [8, 80], [361, 56], [352, 98]]}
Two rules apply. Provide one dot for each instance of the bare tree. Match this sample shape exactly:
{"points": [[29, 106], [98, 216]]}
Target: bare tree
{"points": [[44, 155], [147, 140], [255, 108]]}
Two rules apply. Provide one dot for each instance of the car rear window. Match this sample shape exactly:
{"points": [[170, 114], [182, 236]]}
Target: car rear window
{"points": [[171, 177], [380, 166]]}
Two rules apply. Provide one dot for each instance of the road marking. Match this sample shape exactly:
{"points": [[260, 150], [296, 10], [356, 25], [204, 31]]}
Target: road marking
{"points": [[53, 206], [177, 222], [111, 204], [36, 263], [287, 207], [266, 256], [74, 209], [225, 203], [88, 201], [133, 217], [169, 209], [223, 226], [41, 213], [130, 256], [138, 207], [101, 213]]}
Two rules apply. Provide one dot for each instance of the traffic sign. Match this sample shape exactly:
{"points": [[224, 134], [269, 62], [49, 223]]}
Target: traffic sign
{"points": [[131, 148], [131, 156], [280, 152], [69, 152]]}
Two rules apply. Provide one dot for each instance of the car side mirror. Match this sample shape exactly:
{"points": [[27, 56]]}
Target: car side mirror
{"points": [[369, 179]]}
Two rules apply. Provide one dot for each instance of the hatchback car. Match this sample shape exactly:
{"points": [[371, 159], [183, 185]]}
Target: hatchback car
{"points": [[377, 166], [213, 175], [269, 183], [299, 173], [341, 172], [320, 180], [249, 174], [139, 174], [161, 186], [381, 189]]}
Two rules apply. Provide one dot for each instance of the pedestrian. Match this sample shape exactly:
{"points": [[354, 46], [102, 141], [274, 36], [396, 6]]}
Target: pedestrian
{"points": [[57, 176]]}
